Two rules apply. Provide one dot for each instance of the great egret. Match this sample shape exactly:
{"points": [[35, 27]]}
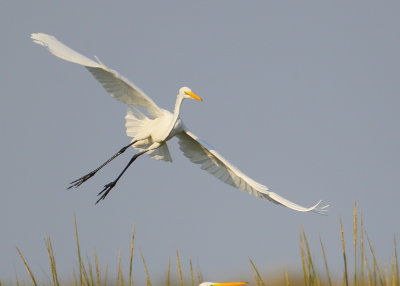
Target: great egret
{"points": [[151, 131], [222, 284]]}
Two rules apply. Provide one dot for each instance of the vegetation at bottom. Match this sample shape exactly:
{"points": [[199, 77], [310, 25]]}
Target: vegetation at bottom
{"points": [[365, 268]]}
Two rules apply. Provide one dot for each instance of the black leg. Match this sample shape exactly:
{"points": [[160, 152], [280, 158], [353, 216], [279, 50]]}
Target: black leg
{"points": [[107, 188], [83, 179]]}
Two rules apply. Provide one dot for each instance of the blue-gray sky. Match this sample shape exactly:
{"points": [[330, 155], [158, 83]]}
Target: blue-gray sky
{"points": [[303, 96]]}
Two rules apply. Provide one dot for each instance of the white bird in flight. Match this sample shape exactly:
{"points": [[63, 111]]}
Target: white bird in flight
{"points": [[153, 129]]}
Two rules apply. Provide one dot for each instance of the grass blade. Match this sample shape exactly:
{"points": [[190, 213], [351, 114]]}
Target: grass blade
{"points": [[53, 267], [120, 274], [180, 273], [355, 241], [106, 275], [168, 282], [97, 266], [377, 271], [131, 253], [148, 279], [199, 277], [90, 276], [396, 262], [346, 276], [328, 275], [287, 282], [313, 276], [83, 277], [303, 257], [27, 267], [259, 279], [191, 272]]}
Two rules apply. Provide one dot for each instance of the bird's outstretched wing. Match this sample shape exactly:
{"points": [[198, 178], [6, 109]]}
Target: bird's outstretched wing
{"points": [[116, 85], [199, 152]]}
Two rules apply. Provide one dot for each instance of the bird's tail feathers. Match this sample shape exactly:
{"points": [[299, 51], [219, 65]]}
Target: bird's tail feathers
{"points": [[134, 121], [161, 153]]}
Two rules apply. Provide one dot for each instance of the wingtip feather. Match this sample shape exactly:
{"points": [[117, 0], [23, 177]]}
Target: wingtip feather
{"points": [[319, 210], [41, 38], [62, 51], [315, 208]]}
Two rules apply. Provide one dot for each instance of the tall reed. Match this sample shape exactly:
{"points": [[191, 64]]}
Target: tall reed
{"points": [[366, 270]]}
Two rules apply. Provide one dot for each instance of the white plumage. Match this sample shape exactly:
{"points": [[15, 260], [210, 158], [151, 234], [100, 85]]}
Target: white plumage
{"points": [[151, 131]]}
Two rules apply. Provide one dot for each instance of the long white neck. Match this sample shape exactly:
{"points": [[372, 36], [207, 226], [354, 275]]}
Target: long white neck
{"points": [[177, 108]]}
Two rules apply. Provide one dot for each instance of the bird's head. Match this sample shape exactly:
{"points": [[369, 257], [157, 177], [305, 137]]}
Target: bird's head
{"points": [[186, 92], [222, 284]]}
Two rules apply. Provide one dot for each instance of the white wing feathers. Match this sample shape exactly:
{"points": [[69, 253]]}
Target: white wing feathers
{"points": [[200, 152], [116, 85]]}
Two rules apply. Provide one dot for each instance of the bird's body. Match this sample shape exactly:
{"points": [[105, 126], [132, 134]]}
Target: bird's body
{"points": [[156, 131], [152, 130]]}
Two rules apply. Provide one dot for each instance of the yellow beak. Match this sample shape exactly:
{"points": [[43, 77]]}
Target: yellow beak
{"points": [[193, 95], [230, 284]]}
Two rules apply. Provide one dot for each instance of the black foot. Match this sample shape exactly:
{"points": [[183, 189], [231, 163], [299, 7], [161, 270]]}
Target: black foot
{"points": [[107, 188], [81, 180]]}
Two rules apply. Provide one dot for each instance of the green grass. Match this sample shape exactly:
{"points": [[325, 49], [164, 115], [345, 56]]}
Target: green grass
{"points": [[365, 268]]}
